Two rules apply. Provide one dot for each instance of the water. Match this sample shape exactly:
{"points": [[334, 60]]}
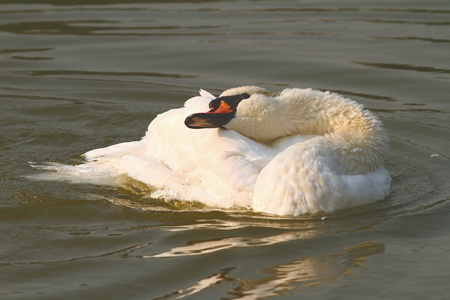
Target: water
{"points": [[79, 75]]}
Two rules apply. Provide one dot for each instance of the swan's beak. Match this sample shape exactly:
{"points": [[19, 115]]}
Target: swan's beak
{"points": [[208, 120], [222, 110]]}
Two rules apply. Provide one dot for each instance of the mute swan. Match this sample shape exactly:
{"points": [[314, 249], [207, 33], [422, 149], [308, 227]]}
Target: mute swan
{"points": [[299, 151]]}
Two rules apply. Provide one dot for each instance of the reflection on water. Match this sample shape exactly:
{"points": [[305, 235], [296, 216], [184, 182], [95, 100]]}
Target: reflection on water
{"points": [[204, 247], [309, 271], [290, 278], [201, 285]]}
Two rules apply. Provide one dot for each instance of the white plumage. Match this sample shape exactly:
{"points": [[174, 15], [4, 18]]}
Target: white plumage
{"points": [[300, 151]]}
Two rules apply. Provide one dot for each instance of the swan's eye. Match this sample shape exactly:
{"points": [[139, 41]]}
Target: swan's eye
{"points": [[241, 97], [245, 96]]}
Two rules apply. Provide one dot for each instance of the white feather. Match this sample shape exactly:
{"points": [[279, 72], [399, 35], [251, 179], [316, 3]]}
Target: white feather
{"points": [[279, 158]]}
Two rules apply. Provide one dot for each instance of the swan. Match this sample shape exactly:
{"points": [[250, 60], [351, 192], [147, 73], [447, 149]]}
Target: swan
{"points": [[295, 152]]}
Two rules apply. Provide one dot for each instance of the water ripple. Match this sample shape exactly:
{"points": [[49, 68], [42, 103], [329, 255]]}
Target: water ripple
{"points": [[405, 67]]}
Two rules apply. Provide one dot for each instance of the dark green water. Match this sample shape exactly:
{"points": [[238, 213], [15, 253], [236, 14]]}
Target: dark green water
{"points": [[80, 75]]}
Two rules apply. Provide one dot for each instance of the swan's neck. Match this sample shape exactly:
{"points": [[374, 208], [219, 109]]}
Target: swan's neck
{"points": [[352, 133]]}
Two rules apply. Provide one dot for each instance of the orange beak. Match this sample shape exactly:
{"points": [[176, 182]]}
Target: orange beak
{"points": [[223, 108]]}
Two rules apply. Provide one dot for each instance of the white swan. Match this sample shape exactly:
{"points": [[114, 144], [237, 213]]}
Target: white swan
{"points": [[296, 152]]}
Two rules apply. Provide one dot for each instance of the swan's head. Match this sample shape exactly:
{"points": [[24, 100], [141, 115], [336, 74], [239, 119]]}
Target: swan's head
{"points": [[246, 109], [221, 111]]}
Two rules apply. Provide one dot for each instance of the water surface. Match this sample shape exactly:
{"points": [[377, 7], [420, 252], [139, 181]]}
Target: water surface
{"points": [[80, 75]]}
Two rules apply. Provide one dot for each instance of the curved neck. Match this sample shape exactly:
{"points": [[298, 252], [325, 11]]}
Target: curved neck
{"points": [[342, 123]]}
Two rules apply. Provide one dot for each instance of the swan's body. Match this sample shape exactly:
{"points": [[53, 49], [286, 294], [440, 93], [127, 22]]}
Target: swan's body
{"points": [[301, 151]]}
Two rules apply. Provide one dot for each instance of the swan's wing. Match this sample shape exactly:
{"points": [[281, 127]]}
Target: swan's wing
{"points": [[198, 103], [115, 151], [102, 166], [219, 160], [206, 94], [216, 167], [237, 160]]}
